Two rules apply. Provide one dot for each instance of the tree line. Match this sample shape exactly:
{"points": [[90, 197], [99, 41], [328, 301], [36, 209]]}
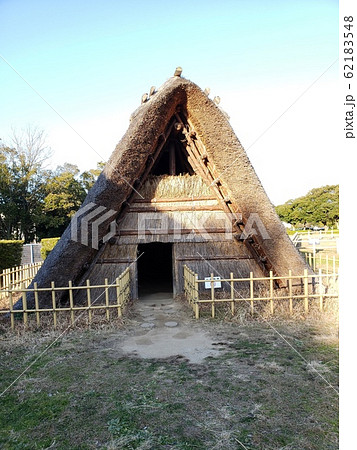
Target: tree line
{"points": [[319, 207], [37, 202]]}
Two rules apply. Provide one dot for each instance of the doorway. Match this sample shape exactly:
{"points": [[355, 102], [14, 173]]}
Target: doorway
{"points": [[154, 268]]}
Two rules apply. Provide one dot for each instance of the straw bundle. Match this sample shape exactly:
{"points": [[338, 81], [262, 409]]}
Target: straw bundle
{"points": [[174, 186]]}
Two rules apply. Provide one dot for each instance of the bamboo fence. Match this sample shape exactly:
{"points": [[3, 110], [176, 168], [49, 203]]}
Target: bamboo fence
{"points": [[120, 288], [313, 287], [327, 263], [16, 277]]}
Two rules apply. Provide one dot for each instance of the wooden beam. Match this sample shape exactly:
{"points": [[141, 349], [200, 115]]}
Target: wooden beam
{"points": [[155, 201], [160, 208], [202, 231], [115, 261], [213, 258], [172, 159]]}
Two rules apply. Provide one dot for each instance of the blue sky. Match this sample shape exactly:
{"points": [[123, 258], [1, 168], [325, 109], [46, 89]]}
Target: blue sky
{"points": [[92, 61]]}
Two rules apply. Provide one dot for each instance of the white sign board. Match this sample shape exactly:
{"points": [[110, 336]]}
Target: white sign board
{"points": [[216, 284]]}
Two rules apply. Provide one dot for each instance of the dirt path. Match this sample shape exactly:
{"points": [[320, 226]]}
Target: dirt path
{"points": [[161, 328]]}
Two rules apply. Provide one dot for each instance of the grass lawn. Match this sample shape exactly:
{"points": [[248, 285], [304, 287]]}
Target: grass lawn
{"points": [[257, 394]]}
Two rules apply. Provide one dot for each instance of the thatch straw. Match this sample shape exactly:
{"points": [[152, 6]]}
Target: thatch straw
{"points": [[170, 186]]}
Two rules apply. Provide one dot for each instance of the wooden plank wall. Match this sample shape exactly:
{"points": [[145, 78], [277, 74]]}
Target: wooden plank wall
{"points": [[110, 264], [217, 257]]}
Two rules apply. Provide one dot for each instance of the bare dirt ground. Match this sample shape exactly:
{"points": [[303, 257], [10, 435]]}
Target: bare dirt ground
{"points": [[162, 380], [161, 328]]}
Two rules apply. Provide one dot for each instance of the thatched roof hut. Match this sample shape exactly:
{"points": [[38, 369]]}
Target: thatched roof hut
{"points": [[179, 165]]}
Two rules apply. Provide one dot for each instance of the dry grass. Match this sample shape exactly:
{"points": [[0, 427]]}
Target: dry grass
{"points": [[168, 186], [260, 393]]}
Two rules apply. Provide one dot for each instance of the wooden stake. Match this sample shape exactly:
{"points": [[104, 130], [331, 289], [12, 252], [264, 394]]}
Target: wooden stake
{"points": [[118, 283], [251, 287], [24, 303], [197, 306], [54, 304], [89, 303], [320, 291], [212, 296], [271, 292], [71, 300], [232, 294], [290, 284], [12, 321], [306, 291], [106, 299], [36, 304]]}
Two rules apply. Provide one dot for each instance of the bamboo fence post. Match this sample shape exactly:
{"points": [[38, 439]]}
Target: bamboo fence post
{"points": [[271, 282], [251, 287], [7, 279], [36, 304], [89, 301], [290, 284], [54, 304], [190, 288], [310, 259], [118, 285], [320, 261], [320, 291], [11, 304], [306, 291], [24, 303], [232, 294], [106, 299], [121, 293], [212, 296], [70, 291], [334, 266], [197, 305], [327, 264]]}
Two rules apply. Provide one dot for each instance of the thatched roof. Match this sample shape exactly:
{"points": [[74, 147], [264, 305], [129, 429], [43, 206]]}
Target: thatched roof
{"points": [[69, 260]]}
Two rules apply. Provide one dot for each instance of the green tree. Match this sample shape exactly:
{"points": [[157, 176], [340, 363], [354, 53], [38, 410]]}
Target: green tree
{"points": [[319, 207], [35, 202], [65, 191], [21, 182], [64, 194], [89, 177]]}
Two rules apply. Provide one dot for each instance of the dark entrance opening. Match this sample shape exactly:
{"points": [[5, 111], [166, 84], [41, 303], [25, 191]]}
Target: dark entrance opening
{"points": [[154, 268]]}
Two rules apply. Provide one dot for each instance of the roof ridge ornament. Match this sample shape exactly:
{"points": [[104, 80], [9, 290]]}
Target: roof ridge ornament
{"points": [[178, 71]]}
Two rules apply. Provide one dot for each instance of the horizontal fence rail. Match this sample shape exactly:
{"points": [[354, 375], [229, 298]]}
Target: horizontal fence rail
{"points": [[16, 277], [106, 297], [304, 287]]}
